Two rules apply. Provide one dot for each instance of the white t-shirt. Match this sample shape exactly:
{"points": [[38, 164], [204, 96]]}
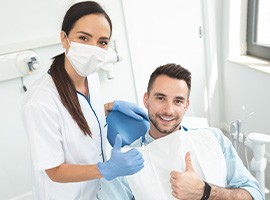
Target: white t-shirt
{"points": [[55, 138]]}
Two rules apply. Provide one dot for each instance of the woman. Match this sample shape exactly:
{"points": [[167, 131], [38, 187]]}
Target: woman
{"points": [[65, 119]]}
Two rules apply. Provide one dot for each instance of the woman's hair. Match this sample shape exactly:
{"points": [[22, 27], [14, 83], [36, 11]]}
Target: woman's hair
{"points": [[173, 71], [63, 82]]}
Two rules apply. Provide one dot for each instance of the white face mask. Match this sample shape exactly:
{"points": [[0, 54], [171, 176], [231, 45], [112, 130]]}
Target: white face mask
{"points": [[85, 59]]}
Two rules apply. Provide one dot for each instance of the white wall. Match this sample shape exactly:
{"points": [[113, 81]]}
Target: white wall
{"points": [[243, 86], [159, 33]]}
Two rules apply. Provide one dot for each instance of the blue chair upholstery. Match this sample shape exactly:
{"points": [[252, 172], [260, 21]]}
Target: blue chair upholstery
{"points": [[129, 128]]}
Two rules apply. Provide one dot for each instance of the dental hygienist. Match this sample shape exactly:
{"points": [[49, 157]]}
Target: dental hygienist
{"points": [[64, 116]]}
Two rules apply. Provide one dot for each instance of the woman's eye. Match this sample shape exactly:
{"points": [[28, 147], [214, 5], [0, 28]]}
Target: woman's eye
{"points": [[104, 43], [83, 38]]}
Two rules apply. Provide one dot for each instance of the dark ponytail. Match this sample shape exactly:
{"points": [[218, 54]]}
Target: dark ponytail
{"points": [[68, 93]]}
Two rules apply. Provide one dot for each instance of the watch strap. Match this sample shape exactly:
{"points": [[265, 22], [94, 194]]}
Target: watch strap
{"points": [[206, 192]]}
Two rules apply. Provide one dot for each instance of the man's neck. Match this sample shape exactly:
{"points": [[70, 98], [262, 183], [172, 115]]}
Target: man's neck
{"points": [[157, 134]]}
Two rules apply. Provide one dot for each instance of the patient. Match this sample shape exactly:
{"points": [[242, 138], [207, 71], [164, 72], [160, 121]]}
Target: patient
{"points": [[167, 99]]}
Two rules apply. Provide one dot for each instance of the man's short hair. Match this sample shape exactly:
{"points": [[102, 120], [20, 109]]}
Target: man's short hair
{"points": [[173, 71]]}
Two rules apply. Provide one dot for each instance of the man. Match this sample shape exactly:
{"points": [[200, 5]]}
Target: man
{"points": [[167, 99]]}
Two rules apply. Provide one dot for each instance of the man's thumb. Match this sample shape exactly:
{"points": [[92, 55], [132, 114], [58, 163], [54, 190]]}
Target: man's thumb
{"points": [[118, 142], [189, 166]]}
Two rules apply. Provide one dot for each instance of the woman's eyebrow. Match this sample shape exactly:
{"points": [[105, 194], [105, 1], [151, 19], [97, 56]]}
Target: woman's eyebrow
{"points": [[85, 33], [90, 35]]}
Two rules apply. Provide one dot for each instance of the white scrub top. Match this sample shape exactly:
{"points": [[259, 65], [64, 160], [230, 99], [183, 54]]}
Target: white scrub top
{"points": [[55, 138]]}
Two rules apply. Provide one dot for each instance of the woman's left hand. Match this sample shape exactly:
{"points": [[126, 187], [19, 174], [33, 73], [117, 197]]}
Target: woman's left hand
{"points": [[130, 109]]}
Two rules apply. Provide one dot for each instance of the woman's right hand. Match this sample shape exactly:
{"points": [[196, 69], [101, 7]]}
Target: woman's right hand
{"points": [[121, 164]]}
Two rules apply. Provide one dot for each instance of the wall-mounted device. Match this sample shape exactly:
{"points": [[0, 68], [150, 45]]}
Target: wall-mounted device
{"points": [[18, 64]]}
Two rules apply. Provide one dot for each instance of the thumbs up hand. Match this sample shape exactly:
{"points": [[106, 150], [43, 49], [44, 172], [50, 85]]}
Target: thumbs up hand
{"points": [[121, 164], [187, 185]]}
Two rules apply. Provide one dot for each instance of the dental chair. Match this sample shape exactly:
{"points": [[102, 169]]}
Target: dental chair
{"points": [[129, 128]]}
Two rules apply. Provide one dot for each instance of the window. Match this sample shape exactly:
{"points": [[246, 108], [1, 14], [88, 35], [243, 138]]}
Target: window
{"points": [[258, 28]]}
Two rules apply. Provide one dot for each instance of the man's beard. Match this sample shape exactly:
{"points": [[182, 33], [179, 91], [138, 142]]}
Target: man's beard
{"points": [[162, 131]]}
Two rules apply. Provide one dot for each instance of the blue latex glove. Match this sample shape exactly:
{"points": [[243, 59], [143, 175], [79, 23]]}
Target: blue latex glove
{"points": [[121, 164], [130, 109]]}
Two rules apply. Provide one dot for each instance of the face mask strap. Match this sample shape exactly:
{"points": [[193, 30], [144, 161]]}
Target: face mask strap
{"points": [[67, 38]]}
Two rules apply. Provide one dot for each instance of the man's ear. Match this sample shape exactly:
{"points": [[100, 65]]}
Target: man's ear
{"points": [[187, 105], [145, 100]]}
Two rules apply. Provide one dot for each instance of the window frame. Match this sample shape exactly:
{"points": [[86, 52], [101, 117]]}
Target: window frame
{"points": [[253, 48]]}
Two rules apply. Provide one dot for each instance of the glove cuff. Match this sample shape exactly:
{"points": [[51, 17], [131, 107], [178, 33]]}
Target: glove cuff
{"points": [[103, 169], [115, 105]]}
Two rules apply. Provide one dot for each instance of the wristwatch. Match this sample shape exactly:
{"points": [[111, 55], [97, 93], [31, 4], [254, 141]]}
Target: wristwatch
{"points": [[206, 192]]}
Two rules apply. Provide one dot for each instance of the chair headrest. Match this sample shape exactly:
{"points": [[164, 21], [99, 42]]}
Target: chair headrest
{"points": [[129, 128]]}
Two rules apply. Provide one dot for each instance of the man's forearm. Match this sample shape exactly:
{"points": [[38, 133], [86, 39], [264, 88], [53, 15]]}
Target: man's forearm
{"points": [[219, 193]]}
